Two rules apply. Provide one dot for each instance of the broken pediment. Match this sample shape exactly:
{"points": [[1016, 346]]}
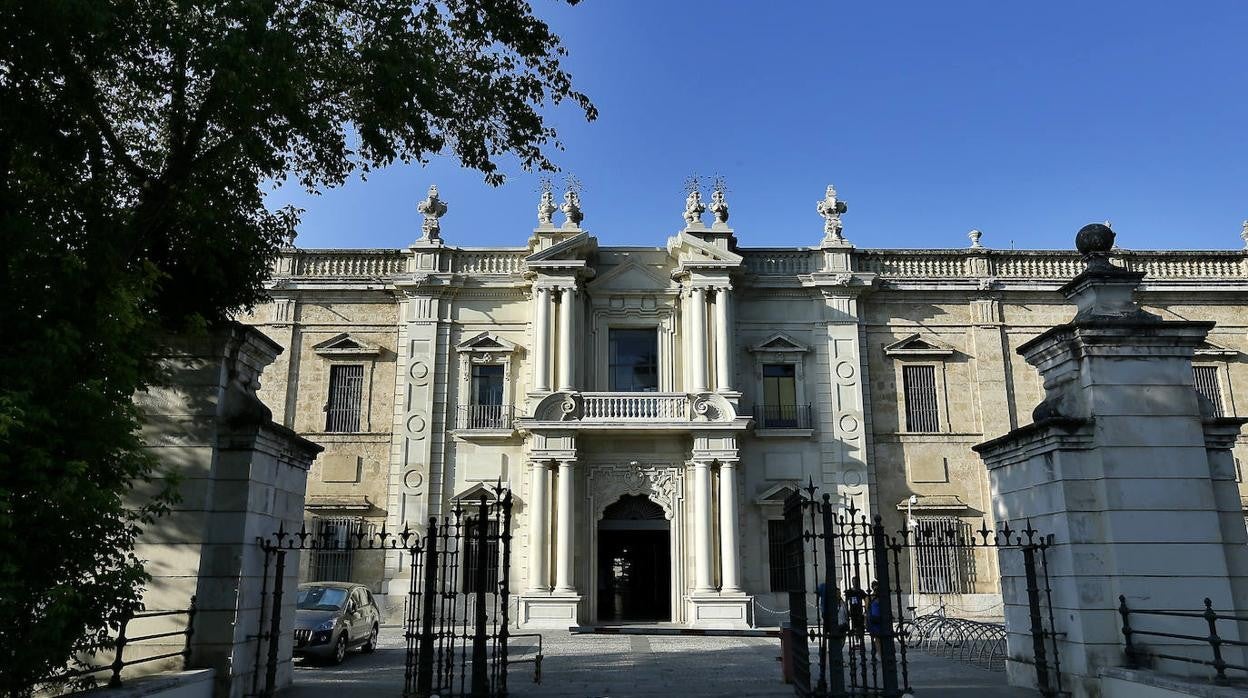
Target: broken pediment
{"points": [[630, 275], [916, 346], [346, 345], [692, 251], [487, 342], [780, 342], [574, 249]]}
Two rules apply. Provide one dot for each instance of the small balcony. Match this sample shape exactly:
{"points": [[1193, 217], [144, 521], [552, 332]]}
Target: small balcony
{"points": [[630, 411], [491, 418], [782, 417]]}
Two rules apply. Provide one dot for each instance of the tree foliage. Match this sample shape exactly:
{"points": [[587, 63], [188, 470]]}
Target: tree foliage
{"points": [[136, 141]]}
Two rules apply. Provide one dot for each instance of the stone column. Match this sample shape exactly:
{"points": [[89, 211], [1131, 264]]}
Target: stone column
{"points": [[541, 340], [697, 340], [703, 583], [723, 341], [564, 575], [729, 558], [539, 526], [567, 303]]}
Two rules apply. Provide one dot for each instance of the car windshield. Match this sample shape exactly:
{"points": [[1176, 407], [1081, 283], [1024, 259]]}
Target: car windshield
{"points": [[322, 598]]}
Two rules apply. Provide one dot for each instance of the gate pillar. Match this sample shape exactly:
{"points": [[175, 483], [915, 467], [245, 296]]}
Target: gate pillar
{"points": [[1129, 470]]}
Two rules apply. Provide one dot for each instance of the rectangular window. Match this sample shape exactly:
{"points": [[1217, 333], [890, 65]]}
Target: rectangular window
{"points": [[633, 361], [777, 561], [487, 384], [779, 397], [920, 391], [469, 563], [346, 389], [1207, 386], [942, 566], [332, 556]]}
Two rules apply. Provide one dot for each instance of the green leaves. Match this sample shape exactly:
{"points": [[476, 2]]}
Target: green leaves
{"points": [[135, 139]]}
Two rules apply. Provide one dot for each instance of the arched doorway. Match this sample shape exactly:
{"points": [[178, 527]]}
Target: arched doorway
{"points": [[634, 562]]}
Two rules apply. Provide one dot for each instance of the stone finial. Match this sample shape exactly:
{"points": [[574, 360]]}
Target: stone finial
{"points": [[719, 206], [572, 209], [1244, 234], [433, 209], [694, 208], [546, 207], [1094, 241], [831, 209], [975, 235]]}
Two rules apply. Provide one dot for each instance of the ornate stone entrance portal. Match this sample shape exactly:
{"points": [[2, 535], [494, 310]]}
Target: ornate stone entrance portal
{"points": [[634, 561]]}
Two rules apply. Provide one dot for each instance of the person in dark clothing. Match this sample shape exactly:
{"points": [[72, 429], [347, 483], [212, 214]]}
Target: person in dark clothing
{"points": [[856, 600], [874, 617]]}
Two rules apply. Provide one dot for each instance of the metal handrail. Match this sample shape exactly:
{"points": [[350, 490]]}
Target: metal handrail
{"points": [[484, 417], [1220, 665], [119, 645], [782, 416]]}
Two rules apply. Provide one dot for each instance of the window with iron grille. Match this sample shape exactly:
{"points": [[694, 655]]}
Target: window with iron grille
{"points": [[471, 547], [942, 565], [346, 390], [919, 386], [1207, 386], [333, 557], [781, 574]]}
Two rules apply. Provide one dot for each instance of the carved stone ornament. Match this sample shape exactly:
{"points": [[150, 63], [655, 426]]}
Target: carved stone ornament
{"points": [[1094, 241], [433, 209], [719, 207], [1244, 234], [831, 209], [546, 209], [559, 407], [975, 235], [694, 208], [572, 209], [659, 483]]}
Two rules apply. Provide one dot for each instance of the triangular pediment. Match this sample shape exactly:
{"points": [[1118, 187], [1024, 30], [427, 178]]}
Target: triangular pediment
{"points": [[347, 345], [780, 342], [476, 492], [1208, 349], [631, 275], [486, 342], [915, 345], [933, 502], [776, 494]]}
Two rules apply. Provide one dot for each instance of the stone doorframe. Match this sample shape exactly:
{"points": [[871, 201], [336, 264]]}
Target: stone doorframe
{"points": [[664, 483]]}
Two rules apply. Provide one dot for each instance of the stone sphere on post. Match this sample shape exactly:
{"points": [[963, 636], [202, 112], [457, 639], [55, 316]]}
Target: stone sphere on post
{"points": [[1094, 241]]}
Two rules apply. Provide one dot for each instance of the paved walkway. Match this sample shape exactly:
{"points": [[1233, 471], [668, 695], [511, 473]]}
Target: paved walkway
{"points": [[615, 666]]}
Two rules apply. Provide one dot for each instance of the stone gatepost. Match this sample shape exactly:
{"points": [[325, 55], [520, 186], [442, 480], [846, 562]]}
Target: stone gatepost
{"points": [[241, 477], [1130, 473]]}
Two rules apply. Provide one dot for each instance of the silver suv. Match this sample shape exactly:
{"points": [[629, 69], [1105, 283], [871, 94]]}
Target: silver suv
{"points": [[333, 617]]}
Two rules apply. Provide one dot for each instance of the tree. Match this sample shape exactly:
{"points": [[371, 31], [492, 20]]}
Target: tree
{"points": [[136, 140]]}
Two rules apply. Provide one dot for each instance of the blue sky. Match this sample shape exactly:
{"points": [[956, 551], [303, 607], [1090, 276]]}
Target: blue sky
{"points": [[1024, 120]]}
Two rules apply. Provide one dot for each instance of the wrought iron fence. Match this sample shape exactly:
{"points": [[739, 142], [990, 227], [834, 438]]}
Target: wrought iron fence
{"points": [[68, 679], [456, 619], [782, 416], [970, 641], [1139, 655]]}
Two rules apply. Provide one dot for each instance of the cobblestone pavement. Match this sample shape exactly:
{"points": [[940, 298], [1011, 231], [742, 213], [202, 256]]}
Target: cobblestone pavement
{"points": [[619, 666]]}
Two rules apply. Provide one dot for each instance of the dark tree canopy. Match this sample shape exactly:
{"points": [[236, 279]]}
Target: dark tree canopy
{"points": [[136, 141]]}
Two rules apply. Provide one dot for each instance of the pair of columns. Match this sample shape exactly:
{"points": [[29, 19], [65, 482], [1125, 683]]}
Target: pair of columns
{"points": [[703, 540], [697, 332], [539, 527], [545, 298]]}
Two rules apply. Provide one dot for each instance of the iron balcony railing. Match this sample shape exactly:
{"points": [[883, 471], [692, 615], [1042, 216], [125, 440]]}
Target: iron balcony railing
{"points": [[782, 416], [1137, 654], [493, 417]]}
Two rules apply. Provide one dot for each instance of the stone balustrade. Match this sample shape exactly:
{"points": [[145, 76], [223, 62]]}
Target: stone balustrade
{"points": [[636, 406], [765, 262], [489, 261], [341, 263]]}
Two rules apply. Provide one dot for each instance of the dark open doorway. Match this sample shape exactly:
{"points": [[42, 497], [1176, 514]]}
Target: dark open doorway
{"points": [[634, 562]]}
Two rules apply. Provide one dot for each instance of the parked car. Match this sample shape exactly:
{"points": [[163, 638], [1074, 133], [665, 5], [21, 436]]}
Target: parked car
{"points": [[333, 617]]}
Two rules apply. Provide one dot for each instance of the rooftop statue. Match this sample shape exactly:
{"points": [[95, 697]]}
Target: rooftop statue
{"points": [[831, 209], [719, 206], [694, 208], [433, 208], [572, 209], [546, 209]]}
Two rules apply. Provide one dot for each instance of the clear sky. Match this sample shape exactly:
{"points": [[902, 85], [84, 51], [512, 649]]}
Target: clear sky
{"points": [[1025, 120]]}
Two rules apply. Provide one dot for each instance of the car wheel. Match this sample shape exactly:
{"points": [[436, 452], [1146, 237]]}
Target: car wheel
{"points": [[340, 649], [372, 641]]}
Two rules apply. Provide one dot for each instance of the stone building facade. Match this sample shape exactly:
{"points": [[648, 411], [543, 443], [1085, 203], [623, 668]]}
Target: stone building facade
{"points": [[651, 407]]}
